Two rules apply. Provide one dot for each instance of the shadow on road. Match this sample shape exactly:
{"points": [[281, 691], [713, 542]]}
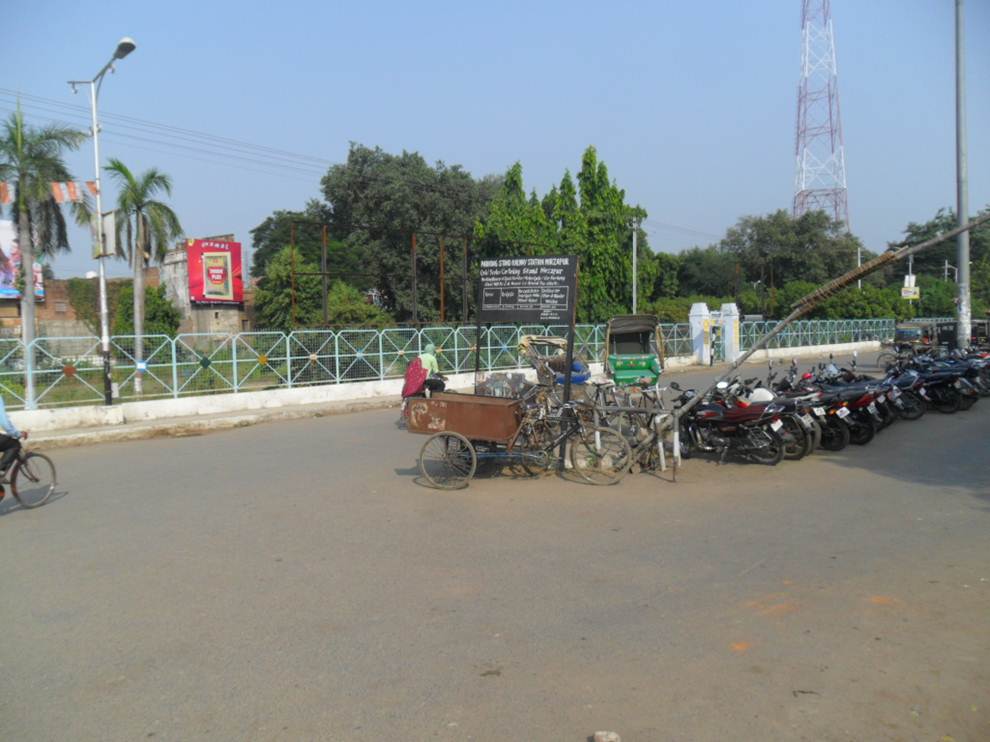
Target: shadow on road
{"points": [[9, 504], [920, 461]]}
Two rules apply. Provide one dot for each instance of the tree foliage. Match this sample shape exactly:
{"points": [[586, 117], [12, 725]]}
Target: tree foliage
{"points": [[31, 158], [375, 201], [347, 305], [378, 200], [84, 296], [160, 315], [589, 218]]}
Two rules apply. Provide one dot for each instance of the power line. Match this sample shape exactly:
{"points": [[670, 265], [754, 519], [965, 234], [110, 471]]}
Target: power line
{"points": [[679, 228], [222, 159], [205, 146], [230, 152], [165, 129]]}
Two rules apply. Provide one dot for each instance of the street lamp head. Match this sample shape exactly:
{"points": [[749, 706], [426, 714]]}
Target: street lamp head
{"points": [[124, 47]]}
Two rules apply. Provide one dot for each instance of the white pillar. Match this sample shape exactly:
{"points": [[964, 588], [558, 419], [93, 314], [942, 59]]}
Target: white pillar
{"points": [[730, 332], [700, 319]]}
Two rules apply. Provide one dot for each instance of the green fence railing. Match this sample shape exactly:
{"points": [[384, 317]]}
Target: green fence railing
{"points": [[69, 370]]}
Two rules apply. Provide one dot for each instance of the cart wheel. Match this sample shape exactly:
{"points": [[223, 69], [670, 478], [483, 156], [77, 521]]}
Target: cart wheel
{"points": [[448, 461]]}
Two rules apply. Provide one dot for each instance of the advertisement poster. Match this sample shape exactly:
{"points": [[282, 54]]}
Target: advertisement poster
{"points": [[214, 272], [10, 265]]}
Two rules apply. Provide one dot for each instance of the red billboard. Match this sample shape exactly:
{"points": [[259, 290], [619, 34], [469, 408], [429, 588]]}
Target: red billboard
{"points": [[214, 272]]}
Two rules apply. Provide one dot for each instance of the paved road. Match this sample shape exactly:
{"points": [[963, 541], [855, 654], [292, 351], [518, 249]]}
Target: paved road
{"points": [[291, 581]]}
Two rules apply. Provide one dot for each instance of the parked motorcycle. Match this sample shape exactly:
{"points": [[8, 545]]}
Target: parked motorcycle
{"points": [[721, 425]]}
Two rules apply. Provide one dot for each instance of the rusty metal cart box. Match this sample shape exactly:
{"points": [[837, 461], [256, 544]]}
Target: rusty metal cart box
{"points": [[474, 417]]}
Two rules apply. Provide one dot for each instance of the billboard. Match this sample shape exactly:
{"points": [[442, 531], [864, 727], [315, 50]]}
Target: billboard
{"points": [[214, 272], [10, 265]]}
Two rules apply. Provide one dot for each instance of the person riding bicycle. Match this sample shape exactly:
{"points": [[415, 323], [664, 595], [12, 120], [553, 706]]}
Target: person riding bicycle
{"points": [[10, 443]]}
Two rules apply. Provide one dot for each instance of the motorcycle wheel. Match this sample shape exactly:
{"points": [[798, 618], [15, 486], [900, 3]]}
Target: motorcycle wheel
{"points": [[835, 435], [966, 401], [912, 408], [862, 431], [948, 401], [796, 438], [771, 454], [887, 415]]}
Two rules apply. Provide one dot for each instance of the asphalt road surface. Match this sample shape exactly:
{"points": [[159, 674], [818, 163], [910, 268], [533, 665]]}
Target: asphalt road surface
{"points": [[292, 581]]}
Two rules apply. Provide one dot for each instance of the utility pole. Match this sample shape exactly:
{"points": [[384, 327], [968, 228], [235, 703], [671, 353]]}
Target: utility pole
{"points": [[292, 306], [415, 297], [443, 249], [963, 317], [323, 269], [635, 274], [464, 284]]}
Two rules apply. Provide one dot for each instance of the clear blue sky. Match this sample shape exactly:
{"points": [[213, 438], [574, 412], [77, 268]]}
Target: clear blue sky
{"points": [[691, 105]]}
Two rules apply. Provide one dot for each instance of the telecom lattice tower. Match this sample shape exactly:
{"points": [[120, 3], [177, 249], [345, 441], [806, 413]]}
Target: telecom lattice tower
{"points": [[820, 180]]}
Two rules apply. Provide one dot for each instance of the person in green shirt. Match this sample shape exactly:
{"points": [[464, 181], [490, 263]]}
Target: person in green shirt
{"points": [[429, 359]]}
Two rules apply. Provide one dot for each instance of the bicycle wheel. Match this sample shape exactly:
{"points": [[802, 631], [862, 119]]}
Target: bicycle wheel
{"points": [[33, 479], [448, 461], [600, 455]]}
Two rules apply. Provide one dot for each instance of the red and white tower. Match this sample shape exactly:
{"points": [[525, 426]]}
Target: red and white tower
{"points": [[820, 179]]}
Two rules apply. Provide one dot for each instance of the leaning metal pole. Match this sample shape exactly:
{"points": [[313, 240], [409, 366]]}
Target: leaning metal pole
{"points": [[809, 302]]}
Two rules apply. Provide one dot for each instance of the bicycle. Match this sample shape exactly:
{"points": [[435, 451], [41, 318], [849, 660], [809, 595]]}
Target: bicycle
{"points": [[638, 413], [31, 476]]}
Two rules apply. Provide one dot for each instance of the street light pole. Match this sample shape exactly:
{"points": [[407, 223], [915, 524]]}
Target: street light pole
{"points": [[964, 318], [124, 47]]}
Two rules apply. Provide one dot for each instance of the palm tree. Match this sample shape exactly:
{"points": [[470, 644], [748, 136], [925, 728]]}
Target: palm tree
{"points": [[32, 158], [149, 226]]}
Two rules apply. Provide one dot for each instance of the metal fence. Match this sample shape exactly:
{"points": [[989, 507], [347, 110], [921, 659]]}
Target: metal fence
{"points": [[817, 332], [69, 370]]}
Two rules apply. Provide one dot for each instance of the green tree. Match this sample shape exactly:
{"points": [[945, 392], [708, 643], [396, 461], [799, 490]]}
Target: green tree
{"points": [[778, 248], [606, 260], [378, 200], [515, 225], [932, 261], [273, 299], [667, 283], [589, 219], [870, 302], [32, 159], [938, 297], [145, 228], [348, 307], [980, 286], [160, 316], [707, 270]]}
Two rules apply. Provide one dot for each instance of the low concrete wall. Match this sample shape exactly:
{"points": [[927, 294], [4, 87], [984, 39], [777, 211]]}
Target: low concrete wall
{"points": [[762, 356], [92, 416]]}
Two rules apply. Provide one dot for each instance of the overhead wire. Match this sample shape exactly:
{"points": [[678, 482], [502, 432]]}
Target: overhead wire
{"points": [[227, 151], [216, 158], [165, 129], [182, 142]]}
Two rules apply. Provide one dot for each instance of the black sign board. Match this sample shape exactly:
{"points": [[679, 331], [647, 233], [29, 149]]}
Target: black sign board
{"points": [[528, 290]]}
